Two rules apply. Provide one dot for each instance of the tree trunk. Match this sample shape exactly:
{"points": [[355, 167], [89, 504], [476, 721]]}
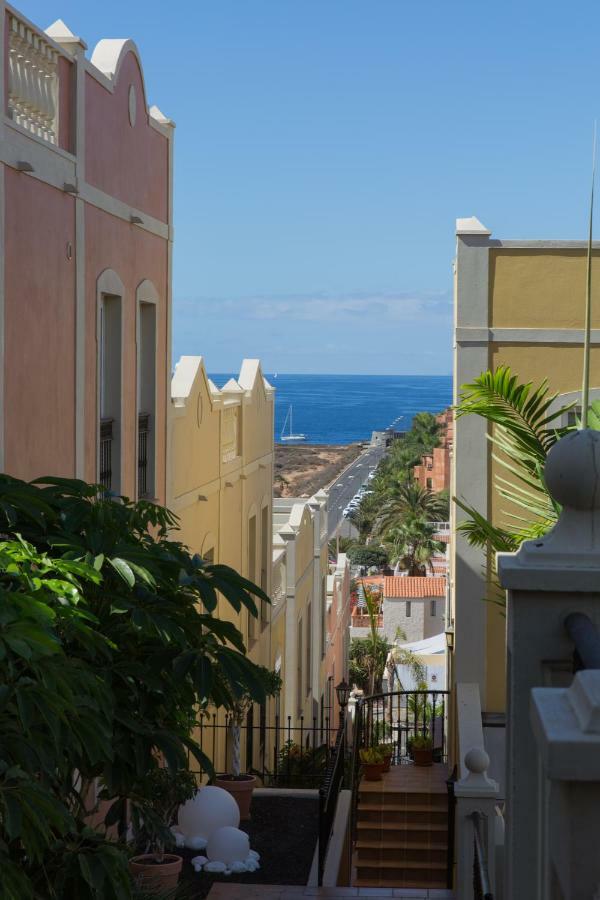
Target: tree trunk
{"points": [[235, 748]]}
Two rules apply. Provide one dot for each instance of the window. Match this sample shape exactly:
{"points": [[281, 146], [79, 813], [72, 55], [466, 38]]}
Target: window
{"points": [[109, 362], [429, 484], [408, 609], [251, 572], [432, 609], [308, 674], [264, 564], [146, 485]]}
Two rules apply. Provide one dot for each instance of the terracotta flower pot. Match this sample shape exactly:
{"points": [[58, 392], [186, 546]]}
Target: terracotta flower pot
{"points": [[423, 757], [155, 877], [240, 787], [373, 771]]}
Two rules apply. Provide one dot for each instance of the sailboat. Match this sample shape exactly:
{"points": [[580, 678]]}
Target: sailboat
{"points": [[290, 436]]}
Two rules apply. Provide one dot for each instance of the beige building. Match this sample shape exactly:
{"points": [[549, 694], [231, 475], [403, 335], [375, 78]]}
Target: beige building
{"points": [[519, 304], [298, 632], [221, 478]]}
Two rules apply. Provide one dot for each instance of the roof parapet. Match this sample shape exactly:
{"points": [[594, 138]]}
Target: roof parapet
{"points": [[472, 225]]}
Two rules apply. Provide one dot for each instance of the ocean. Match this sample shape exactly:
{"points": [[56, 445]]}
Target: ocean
{"points": [[342, 409]]}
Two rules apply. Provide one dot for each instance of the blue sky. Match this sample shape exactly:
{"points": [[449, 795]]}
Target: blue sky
{"points": [[324, 149]]}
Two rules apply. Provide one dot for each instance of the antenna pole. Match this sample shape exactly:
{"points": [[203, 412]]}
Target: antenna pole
{"points": [[585, 389]]}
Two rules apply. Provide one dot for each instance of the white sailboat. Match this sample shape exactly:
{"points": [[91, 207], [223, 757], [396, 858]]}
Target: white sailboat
{"points": [[290, 436]]}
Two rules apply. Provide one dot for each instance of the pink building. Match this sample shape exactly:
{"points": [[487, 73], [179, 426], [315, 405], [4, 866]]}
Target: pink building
{"points": [[434, 471], [85, 272]]}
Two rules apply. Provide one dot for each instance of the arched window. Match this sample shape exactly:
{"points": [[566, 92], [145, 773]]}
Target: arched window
{"points": [[109, 338]]}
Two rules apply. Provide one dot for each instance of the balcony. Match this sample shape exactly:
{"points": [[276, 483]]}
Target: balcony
{"points": [[33, 80], [106, 446]]}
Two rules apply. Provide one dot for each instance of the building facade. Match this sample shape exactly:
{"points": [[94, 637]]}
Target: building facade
{"points": [[433, 472], [221, 479], [298, 634], [413, 606], [517, 304], [85, 265]]}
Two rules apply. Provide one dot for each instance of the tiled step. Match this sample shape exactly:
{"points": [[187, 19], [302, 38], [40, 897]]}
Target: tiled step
{"points": [[396, 814], [411, 831], [405, 875], [423, 853], [440, 884], [387, 797]]}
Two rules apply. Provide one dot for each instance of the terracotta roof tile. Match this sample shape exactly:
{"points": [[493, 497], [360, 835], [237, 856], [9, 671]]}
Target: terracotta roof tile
{"points": [[409, 586]]}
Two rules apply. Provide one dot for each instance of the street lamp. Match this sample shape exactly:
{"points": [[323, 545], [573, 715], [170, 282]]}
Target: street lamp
{"points": [[342, 691], [449, 632]]}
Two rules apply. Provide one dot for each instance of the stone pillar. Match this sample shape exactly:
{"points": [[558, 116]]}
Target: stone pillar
{"points": [[546, 580], [566, 724], [476, 793]]}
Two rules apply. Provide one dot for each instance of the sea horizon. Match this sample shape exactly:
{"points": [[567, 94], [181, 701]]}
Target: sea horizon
{"points": [[346, 408]]}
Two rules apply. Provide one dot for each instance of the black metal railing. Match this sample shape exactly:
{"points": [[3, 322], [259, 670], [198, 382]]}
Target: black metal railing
{"points": [[106, 443], [586, 639], [481, 879], [399, 717], [282, 753], [143, 440], [328, 796]]}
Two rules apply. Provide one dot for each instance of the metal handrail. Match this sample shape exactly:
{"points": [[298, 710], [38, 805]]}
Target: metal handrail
{"points": [[586, 638], [328, 794], [481, 878]]}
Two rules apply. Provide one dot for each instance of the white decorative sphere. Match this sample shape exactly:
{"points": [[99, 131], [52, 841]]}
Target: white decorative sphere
{"points": [[209, 809], [228, 845], [571, 467], [477, 760]]}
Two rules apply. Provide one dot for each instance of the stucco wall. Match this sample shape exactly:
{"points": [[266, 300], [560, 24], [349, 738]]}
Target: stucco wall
{"points": [[39, 322], [419, 625], [125, 161], [135, 255]]}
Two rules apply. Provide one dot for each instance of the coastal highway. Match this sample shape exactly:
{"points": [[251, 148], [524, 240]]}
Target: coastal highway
{"points": [[347, 484]]}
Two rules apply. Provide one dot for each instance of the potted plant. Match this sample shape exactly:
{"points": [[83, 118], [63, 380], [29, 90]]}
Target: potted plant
{"points": [[153, 811], [387, 751], [422, 750], [241, 785], [372, 763]]}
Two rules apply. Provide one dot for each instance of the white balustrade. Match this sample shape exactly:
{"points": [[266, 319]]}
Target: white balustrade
{"points": [[32, 81], [476, 795]]}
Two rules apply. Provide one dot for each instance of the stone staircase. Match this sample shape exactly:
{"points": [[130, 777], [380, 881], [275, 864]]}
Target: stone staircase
{"points": [[402, 829]]}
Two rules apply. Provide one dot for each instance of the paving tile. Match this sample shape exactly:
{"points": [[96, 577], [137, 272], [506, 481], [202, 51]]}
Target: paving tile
{"points": [[375, 892], [441, 894]]}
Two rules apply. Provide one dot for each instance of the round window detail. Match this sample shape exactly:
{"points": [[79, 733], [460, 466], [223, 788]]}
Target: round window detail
{"points": [[132, 105]]}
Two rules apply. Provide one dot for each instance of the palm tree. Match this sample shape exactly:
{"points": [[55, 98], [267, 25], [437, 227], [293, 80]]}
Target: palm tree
{"points": [[413, 545], [410, 501], [524, 431]]}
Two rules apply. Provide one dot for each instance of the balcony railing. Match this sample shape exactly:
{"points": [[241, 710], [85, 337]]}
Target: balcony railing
{"points": [[32, 81], [143, 441], [106, 444]]}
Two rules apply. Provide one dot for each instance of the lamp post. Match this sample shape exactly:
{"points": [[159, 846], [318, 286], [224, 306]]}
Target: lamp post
{"points": [[342, 691]]}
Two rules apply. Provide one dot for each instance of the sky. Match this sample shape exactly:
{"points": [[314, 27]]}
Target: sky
{"points": [[325, 148]]}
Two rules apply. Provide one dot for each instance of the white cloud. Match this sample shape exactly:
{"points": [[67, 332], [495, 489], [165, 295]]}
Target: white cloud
{"points": [[394, 307]]}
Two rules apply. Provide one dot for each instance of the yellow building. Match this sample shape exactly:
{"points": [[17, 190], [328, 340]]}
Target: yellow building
{"points": [[520, 304], [298, 634], [221, 478]]}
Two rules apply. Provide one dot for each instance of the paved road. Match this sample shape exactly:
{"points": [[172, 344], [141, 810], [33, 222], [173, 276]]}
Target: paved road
{"points": [[346, 486]]}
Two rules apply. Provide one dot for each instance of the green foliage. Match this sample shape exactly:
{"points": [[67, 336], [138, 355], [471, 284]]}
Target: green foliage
{"points": [[371, 756], [370, 555], [108, 648], [298, 766], [419, 742], [154, 805]]}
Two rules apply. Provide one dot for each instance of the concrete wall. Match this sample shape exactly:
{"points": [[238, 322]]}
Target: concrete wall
{"points": [[519, 304], [419, 624]]}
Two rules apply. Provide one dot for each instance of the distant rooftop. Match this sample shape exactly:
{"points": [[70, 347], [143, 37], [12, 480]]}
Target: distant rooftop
{"points": [[414, 586]]}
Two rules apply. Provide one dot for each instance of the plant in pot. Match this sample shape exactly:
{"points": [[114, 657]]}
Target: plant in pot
{"points": [[387, 751], [422, 750], [154, 808], [372, 763], [239, 784]]}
